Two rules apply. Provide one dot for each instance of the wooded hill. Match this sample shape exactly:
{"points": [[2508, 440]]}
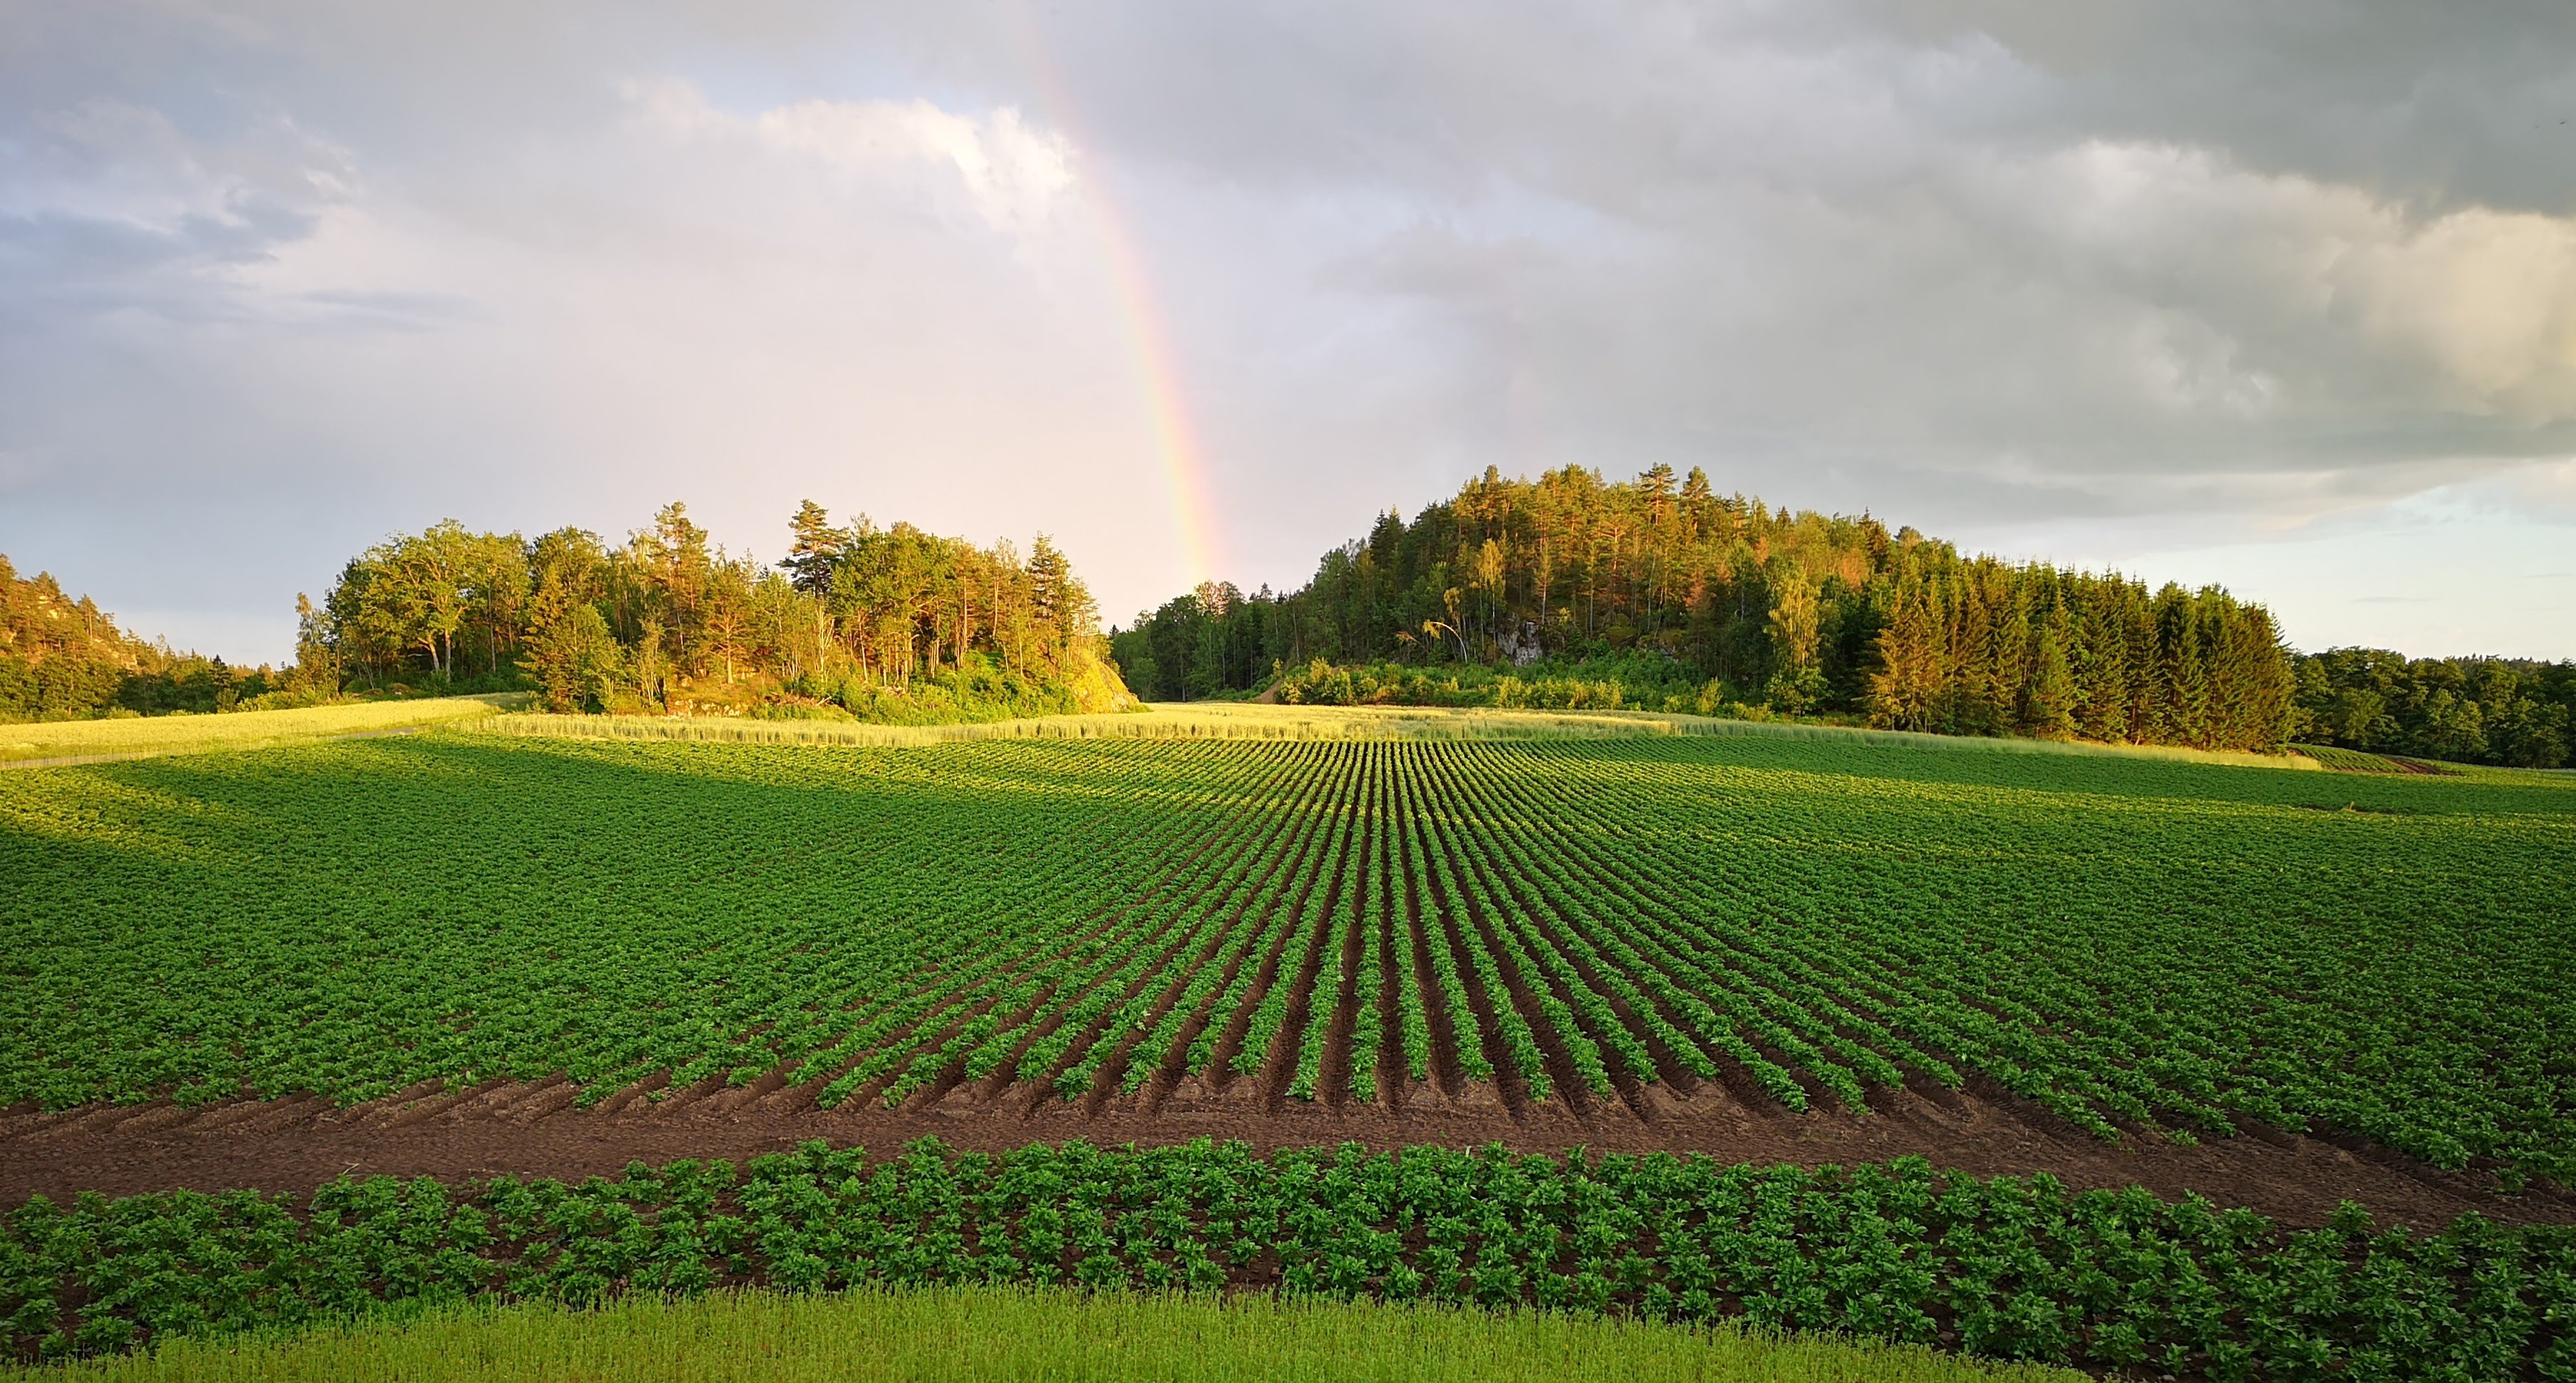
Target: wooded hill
{"points": [[1571, 590], [63, 658]]}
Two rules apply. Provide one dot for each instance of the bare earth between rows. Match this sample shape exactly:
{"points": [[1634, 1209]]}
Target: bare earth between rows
{"points": [[534, 1129]]}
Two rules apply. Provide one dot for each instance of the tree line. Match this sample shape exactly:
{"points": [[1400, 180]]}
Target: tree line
{"points": [[1567, 591], [1791, 612], [63, 658], [879, 622], [2509, 712], [891, 623]]}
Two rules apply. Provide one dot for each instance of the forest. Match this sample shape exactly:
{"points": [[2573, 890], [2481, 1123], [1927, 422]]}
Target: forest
{"points": [[2505, 711], [1573, 591], [877, 623], [63, 658], [1568, 592], [880, 623]]}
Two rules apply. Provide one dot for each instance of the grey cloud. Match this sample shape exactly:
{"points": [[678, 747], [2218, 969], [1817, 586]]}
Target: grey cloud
{"points": [[1883, 237], [90, 264], [2444, 105], [1998, 268]]}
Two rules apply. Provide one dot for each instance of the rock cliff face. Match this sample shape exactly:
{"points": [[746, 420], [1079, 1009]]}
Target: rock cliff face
{"points": [[1094, 680]]}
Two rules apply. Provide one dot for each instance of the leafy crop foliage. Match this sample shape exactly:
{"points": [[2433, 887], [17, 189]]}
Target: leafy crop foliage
{"points": [[2355, 761], [2137, 945], [2005, 1268]]}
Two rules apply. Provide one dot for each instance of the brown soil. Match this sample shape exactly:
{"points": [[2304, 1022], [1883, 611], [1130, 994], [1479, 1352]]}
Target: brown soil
{"points": [[296, 1143]]}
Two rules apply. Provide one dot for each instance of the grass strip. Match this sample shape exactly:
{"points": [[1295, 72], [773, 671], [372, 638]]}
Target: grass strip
{"points": [[38, 743], [1004, 1333]]}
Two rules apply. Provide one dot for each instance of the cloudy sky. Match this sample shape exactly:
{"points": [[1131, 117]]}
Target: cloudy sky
{"points": [[2279, 296]]}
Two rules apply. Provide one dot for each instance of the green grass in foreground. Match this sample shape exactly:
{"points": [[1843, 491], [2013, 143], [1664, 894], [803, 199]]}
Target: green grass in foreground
{"points": [[183, 734], [1014, 1333]]}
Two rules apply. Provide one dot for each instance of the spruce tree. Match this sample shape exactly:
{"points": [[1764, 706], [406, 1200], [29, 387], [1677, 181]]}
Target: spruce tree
{"points": [[2048, 698]]}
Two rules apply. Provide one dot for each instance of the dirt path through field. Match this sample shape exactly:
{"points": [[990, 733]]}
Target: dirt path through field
{"points": [[296, 1143]]}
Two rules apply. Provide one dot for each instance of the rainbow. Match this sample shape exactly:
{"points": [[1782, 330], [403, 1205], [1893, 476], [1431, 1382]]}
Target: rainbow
{"points": [[1176, 444], [1175, 441]]}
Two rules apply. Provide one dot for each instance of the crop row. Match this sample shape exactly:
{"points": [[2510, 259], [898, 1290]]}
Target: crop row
{"points": [[2006, 1268], [2144, 948]]}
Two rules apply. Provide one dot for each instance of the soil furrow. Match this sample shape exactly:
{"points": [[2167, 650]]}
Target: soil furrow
{"points": [[1333, 1080], [1385, 976], [295, 1144], [1445, 1072], [1220, 1072], [1274, 854], [1509, 1080], [1560, 1066]]}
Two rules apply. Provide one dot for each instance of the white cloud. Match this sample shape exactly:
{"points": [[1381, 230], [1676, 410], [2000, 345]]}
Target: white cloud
{"points": [[2489, 298], [1013, 174], [2546, 490]]}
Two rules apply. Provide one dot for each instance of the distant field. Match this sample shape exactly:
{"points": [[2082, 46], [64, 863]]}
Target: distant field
{"points": [[1220, 721], [2356, 761], [1239, 720], [187, 734], [2145, 947]]}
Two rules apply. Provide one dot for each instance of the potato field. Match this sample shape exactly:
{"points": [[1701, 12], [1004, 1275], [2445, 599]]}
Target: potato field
{"points": [[2146, 950], [2007, 1268]]}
